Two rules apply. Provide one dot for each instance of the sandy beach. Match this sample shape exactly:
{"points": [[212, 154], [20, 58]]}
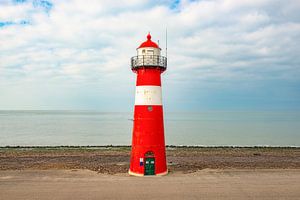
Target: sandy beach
{"points": [[204, 184], [195, 173]]}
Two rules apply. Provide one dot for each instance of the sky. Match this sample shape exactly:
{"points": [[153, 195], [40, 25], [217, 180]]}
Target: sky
{"points": [[222, 54]]}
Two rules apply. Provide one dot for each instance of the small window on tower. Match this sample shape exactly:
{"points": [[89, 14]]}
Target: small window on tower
{"points": [[143, 51], [150, 108], [150, 52]]}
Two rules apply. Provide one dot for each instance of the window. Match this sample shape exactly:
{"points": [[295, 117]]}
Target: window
{"points": [[149, 154]]}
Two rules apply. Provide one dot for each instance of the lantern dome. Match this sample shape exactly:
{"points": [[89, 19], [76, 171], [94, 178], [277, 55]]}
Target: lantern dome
{"points": [[149, 43]]}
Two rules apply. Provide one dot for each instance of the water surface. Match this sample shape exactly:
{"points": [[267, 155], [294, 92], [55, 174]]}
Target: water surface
{"points": [[110, 128]]}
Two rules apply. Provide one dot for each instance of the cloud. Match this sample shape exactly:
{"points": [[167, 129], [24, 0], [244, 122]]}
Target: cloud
{"points": [[82, 45]]}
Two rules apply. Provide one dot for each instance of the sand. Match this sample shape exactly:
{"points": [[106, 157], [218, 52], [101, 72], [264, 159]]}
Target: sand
{"points": [[204, 184], [195, 173]]}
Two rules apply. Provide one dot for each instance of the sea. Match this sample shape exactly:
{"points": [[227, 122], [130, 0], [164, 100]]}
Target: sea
{"points": [[92, 128]]}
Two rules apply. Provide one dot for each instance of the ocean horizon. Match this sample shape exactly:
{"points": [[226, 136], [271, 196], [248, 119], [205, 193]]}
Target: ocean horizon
{"points": [[95, 128]]}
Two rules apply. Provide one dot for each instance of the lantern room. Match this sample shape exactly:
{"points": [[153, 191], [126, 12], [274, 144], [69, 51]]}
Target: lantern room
{"points": [[148, 55]]}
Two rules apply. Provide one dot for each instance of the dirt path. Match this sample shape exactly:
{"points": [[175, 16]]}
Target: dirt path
{"points": [[204, 184]]}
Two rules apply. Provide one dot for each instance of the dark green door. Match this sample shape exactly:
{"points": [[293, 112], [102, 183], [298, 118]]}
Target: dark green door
{"points": [[149, 166]]}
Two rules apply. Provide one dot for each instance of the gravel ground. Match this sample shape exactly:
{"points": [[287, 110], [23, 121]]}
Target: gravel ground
{"points": [[113, 160]]}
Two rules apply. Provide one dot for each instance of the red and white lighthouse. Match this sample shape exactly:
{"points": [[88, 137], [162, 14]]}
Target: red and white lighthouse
{"points": [[148, 154]]}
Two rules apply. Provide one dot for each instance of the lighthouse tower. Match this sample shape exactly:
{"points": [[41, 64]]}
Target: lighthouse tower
{"points": [[148, 155]]}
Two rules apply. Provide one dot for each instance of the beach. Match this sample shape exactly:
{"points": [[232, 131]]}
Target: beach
{"points": [[194, 173], [204, 184], [115, 159]]}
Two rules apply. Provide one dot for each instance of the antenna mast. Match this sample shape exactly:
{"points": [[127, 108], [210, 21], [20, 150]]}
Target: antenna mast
{"points": [[166, 43]]}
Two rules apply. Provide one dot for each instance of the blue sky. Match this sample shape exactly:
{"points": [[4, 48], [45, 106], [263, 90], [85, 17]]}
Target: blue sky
{"points": [[222, 55]]}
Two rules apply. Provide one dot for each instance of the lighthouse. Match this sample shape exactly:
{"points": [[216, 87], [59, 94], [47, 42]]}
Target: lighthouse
{"points": [[148, 154]]}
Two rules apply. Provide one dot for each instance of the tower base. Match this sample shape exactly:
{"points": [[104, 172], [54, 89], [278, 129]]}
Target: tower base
{"points": [[137, 174]]}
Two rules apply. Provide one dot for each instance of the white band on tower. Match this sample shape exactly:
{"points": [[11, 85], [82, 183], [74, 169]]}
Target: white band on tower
{"points": [[148, 95]]}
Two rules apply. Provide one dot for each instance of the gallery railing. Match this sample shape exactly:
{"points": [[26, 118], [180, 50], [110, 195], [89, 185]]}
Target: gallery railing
{"points": [[149, 61]]}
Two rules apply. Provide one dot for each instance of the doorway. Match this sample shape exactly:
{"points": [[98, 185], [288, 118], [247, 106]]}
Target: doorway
{"points": [[149, 163], [150, 166]]}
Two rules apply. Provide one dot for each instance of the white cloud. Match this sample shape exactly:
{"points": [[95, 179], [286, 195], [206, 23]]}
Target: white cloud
{"points": [[93, 41]]}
